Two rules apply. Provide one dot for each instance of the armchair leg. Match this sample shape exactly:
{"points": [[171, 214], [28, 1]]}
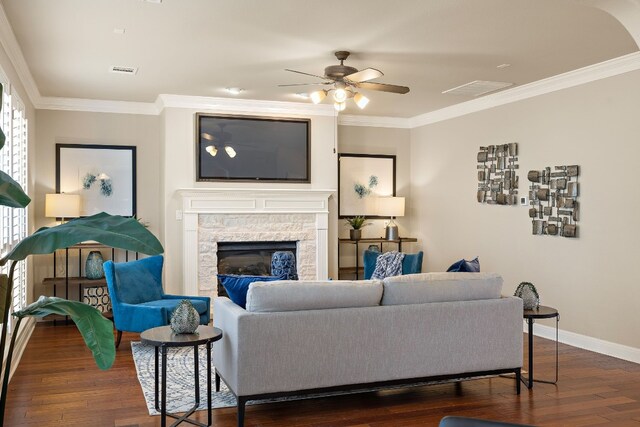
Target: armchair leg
{"points": [[119, 338], [217, 381]]}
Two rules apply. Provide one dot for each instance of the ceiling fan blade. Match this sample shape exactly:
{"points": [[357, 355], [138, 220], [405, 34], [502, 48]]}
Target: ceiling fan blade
{"points": [[364, 75], [307, 84], [383, 87], [306, 74]]}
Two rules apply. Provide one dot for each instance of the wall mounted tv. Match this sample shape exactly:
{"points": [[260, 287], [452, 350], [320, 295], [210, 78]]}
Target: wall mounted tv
{"points": [[246, 148]]}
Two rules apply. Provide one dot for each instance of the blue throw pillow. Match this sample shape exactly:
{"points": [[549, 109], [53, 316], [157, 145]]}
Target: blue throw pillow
{"points": [[237, 286], [464, 266]]}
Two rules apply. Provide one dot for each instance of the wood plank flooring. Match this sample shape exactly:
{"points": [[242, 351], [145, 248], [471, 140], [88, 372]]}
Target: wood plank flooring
{"points": [[58, 384]]}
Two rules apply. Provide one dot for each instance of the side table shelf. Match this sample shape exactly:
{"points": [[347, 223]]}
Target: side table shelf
{"points": [[100, 295]]}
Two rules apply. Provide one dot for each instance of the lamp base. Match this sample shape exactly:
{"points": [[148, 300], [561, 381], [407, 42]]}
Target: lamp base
{"points": [[391, 232]]}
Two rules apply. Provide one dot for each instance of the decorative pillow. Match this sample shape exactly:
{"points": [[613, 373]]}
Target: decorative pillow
{"points": [[237, 285], [464, 266]]}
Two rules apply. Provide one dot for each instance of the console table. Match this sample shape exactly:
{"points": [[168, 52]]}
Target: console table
{"points": [[356, 243], [79, 280]]}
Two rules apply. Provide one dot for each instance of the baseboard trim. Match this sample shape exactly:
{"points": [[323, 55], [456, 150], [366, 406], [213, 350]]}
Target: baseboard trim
{"points": [[596, 345], [24, 334]]}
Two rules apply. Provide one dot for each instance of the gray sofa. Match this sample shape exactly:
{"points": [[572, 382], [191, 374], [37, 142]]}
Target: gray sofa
{"points": [[307, 337]]}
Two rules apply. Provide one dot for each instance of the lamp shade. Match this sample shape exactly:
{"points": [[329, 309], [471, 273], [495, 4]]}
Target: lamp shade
{"points": [[391, 206], [62, 205]]}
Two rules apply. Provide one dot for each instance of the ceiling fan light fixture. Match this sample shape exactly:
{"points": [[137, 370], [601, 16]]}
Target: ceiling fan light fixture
{"points": [[339, 106], [360, 100], [318, 96], [230, 151], [340, 95], [211, 149]]}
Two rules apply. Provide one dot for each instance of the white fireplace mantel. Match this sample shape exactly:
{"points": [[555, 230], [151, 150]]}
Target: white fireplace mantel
{"points": [[230, 201]]}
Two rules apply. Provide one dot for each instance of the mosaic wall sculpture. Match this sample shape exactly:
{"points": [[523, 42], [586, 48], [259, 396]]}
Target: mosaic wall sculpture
{"points": [[497, 178], [553, 196]]}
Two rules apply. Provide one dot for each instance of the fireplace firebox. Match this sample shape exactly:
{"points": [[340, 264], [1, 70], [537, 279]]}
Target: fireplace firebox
{"points": [[249, 258]]}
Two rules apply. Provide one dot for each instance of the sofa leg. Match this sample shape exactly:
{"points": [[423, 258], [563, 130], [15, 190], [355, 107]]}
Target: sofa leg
{"points": [[119, 338], [241, 403], [518, 380], [217, 381]]}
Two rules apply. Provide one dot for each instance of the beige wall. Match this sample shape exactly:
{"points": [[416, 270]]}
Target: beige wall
{"points": [[592, 279], [97, 128], [374, 140], [179, 172]]}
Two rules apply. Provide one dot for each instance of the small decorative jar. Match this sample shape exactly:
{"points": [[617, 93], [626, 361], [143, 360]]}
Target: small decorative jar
{"points": [[529, 294], [93, 267], [185, 318]]}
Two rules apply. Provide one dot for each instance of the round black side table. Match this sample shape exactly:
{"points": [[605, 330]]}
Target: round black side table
{"points": [[162, 338], [541, 312]]}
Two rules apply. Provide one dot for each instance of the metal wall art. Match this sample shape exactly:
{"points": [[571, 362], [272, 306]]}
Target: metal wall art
{"points": [[553, 197], [497, 179]]}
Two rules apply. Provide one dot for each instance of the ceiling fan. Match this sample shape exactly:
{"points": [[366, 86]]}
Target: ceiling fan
{"points": [[345, 81]]}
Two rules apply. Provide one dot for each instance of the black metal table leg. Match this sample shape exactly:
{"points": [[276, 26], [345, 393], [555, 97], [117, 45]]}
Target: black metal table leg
{"points": [[209, 383], [157, 374], [530, 333], [163, 411]]}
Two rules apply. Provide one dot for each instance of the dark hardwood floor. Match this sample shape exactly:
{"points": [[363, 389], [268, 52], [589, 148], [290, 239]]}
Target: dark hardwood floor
{"points": [[58, 384]]}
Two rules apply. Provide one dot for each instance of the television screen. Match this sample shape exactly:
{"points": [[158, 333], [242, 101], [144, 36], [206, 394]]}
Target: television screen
{"points": [[243, 148]]}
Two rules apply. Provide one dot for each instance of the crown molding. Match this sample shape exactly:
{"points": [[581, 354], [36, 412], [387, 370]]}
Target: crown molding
{"points": [[11, 46], [97, 106], [244, 105], [601, 70], [374, 121]]}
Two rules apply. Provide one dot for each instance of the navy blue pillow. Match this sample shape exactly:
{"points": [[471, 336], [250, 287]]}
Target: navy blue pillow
{"points": [[237, 286], [464, 266]]}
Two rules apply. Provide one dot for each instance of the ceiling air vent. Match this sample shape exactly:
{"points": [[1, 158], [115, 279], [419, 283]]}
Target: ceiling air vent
{"points": [[123, 70], [477, 88]]}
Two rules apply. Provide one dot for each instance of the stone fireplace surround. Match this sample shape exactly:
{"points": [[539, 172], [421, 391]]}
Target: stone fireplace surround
{"points": [[257, 215]]}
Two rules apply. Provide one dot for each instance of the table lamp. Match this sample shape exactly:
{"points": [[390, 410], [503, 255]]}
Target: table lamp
{"points": [[62, 205], [391, 207]]}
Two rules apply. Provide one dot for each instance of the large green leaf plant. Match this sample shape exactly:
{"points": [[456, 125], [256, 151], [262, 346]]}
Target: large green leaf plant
{"points": [[110, 230]]}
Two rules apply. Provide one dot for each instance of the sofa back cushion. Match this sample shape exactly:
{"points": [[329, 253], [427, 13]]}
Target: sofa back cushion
{"points": [[441, 287], [292, 295]]}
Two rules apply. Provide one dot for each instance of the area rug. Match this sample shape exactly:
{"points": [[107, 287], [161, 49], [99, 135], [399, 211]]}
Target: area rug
{"points": [[180, 381]]}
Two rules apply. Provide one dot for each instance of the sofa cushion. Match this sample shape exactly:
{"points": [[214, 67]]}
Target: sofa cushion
{"points": [[290, 295], [441, 287], [238, 285]]}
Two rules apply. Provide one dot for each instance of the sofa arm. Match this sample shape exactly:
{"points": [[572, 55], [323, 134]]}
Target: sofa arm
{"points": [[139, 318], [227, 316]]}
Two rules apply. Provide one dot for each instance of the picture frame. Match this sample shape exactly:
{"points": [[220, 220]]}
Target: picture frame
{"points": [[362, 178], [103, 175]]}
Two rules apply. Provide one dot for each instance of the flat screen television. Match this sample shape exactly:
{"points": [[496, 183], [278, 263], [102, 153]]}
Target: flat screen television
{"points": [[246, 148]]}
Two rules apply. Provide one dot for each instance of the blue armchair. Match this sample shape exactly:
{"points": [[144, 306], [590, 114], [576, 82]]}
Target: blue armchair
{"points": [[411, 263], [138, 301]]}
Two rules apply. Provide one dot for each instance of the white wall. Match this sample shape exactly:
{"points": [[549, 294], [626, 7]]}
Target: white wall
{"points": [[72, 127], [591, 279], [179, 172]]}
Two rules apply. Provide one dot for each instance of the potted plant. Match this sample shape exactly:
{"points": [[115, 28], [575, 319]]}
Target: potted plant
{"points": [[110, 230], [356, 223]]}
